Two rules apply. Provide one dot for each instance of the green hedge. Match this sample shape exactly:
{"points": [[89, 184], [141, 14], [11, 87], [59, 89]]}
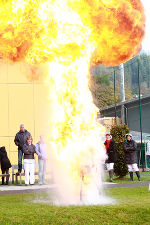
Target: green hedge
{"points": [[118, 134]]}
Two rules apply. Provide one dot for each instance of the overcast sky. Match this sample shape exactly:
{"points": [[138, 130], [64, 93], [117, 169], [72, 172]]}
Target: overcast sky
{"points": [[146, 42]]}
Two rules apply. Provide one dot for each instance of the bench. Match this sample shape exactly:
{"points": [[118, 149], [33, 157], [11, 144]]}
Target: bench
{"points": [[15, 174]]}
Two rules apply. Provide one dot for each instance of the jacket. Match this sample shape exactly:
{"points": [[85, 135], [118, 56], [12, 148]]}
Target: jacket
{"points": [[5, 162], [41, 150], [148, 148], [20, 139], [28, 151], [130, 150], [111, 152]]}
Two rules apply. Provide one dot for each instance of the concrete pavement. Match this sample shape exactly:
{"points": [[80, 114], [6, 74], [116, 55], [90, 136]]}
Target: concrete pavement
{"points": [[19, 189]]}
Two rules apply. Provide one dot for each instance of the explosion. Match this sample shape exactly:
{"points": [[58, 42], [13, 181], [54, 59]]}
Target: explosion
{"points": [[68, 36], [40, 31]]}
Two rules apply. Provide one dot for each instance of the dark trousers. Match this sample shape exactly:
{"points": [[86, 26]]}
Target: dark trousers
{"points": [[148, 156], [20, 153], [5, 171]]}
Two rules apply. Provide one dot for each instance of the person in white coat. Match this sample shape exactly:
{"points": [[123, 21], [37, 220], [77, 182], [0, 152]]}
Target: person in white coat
{"points": [[42, 152]]}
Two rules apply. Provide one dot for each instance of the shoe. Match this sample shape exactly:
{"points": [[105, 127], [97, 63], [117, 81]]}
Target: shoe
{"points": [[26, 184]]}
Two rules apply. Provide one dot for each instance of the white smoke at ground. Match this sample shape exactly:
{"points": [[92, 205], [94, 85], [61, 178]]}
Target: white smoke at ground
{"points": [[47, 201], [64, 191]]}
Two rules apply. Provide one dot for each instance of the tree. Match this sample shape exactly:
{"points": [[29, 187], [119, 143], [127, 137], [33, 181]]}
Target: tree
{"points": [[102, 89], [103, 79], [131, 74], [118, 133]]}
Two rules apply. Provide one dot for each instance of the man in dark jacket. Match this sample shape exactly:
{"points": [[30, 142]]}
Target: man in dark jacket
{"points": [[5, 164], [130, 150], [20, 140], [111, 154]]}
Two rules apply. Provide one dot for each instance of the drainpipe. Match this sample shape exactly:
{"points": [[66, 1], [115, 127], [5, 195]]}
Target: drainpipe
{"points": [[122, 91]]}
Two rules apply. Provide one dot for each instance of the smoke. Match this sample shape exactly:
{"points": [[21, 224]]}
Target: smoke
{"points": [[64, 191], [71, 191]]}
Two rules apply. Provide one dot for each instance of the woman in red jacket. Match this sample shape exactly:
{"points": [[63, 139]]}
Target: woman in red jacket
{"points": [[111, 155]]}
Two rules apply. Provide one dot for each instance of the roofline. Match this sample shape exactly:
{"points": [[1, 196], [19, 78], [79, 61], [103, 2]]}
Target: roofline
{"points": [[125, 102]]}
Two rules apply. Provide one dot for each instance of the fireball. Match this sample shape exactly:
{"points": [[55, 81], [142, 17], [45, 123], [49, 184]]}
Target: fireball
{"points": [[40, 31]]}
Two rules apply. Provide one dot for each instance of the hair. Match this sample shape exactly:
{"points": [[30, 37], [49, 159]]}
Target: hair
{"points": [[22, 125], [108, 134], [28, 138]]}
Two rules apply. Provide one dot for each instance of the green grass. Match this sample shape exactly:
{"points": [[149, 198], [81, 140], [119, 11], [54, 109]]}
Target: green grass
{"points": [[126, 179], [132, 207], [23, 182]]}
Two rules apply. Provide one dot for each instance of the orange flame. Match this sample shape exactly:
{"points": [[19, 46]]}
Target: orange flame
{"points": [[38, 31]]}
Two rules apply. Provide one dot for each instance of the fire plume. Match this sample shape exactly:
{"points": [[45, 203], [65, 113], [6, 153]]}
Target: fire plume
{"points": [[38, 31], [69, 36]]}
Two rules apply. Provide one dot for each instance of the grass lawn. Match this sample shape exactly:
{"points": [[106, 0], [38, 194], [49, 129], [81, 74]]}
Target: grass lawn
{"points": [[126, 179], [132, 207]]}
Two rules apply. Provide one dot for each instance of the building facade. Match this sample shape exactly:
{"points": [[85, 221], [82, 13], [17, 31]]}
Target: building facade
{"points": [[132, 113], [24, 102]]}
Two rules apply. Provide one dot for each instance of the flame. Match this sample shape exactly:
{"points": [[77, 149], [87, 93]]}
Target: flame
{"points": [[69, 35], [38, 31]]}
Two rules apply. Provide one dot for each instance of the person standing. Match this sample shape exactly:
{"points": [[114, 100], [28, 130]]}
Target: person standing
{"points": [[5, 164], [111, 154], [20, 140], [148, 151], [42, 152], [130, 150], [29, 162]]}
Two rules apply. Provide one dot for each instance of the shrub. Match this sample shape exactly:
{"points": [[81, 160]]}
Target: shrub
{"points": [[118, 134]]}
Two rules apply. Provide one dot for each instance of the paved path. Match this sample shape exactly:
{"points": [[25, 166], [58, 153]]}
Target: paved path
{"points": [[125, 185], [143, 175], [17, 189]]}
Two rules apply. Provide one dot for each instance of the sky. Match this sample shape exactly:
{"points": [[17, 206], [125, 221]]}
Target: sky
{"points": [[146, 41]]}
